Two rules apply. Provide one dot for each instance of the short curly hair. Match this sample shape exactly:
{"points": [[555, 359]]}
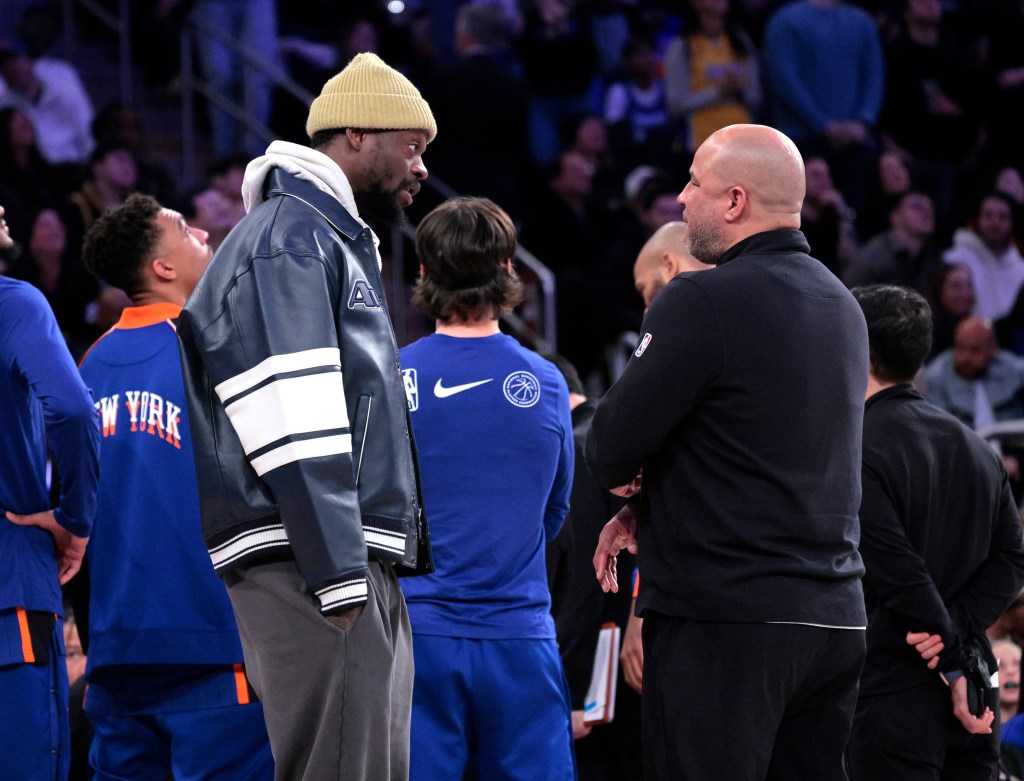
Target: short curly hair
{"points": [[121, 242], [463, 245]]}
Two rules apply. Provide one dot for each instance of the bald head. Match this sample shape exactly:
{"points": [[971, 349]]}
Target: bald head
{"points": [[744, 179], [765, 162], [663, 256], [670, 240], [974, 347], [975, 328]]}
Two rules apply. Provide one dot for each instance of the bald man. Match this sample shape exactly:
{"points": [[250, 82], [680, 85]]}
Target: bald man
{"points": [[743, 405], [663, 257], [953, 377]]}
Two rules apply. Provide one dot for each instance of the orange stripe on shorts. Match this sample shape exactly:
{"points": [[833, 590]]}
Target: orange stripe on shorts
{"points": [[241, 685], [26, 638]]}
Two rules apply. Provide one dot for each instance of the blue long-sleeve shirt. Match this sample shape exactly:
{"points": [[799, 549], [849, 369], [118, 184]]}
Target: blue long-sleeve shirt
{"points": [[43, 402], [495, 442], [823, 65]]}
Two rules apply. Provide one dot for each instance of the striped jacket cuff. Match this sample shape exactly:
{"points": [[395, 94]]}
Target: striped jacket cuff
{"points": [[386, 539], [244, 545], [349, 592]]}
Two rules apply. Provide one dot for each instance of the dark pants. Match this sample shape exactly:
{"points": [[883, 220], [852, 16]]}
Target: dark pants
{"points": [[613, 752], [337, 702], [747, 702], [912, 735]]}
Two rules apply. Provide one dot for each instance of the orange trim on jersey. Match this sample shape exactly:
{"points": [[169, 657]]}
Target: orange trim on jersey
{"points": [[149, 314], [636, 582], [241, 685], [26, 638]]}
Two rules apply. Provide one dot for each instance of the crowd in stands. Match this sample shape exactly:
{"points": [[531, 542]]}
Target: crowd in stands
{"points": [[580, 119]]}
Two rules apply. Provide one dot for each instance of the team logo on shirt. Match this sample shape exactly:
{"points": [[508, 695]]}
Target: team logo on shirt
{"points": [[412, 389], [363, 295], [643, 345], [521, 389]]}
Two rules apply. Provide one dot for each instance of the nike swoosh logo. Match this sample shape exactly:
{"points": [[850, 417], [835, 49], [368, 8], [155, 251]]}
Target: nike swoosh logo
{"points": [[443, 393]]}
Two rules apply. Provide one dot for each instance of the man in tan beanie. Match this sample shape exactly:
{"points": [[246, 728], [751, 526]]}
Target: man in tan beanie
{"points": [[308, 480]]}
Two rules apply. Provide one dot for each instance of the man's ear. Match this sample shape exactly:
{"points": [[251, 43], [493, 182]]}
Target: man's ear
{"points": [[423, 272], [355, 137], [738, 203], [163, 270]]}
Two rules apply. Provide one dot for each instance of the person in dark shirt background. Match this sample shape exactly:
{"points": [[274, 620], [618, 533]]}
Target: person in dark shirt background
{"points": [[943, 559], [748, 379]]}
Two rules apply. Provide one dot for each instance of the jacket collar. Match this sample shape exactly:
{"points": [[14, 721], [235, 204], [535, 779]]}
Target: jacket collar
{"points": [[902, 391], [784, 240], [280, 182]]}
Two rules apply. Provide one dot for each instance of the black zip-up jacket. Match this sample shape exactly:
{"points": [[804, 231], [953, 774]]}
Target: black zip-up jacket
{"points": [[743, 403], [299, 418], [940, 536]]}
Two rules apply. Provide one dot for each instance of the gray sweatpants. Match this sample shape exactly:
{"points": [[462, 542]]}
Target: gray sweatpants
{"points": [[337, 702]]}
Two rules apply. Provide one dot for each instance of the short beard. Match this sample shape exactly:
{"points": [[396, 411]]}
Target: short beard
{"points": [[378, 207], [8, 255], [705, 243]]}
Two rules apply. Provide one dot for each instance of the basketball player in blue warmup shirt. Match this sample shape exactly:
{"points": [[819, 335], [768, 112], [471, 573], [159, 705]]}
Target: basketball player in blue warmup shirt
{"points": [[167, 689], [494, 433], [43, 403]]}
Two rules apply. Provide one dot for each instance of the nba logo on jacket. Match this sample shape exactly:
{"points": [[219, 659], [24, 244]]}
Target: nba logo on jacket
{"points": [[412, 389]]}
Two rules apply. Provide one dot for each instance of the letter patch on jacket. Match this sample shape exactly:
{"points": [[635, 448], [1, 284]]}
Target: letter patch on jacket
{"points": [[363, 295]]}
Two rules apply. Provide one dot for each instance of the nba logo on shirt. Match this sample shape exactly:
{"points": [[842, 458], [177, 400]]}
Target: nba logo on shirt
{"points": [[412, 389], [643, 345]]}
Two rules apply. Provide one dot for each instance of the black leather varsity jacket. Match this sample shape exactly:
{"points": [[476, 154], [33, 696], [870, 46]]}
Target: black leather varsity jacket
{"points": [[299, 418]]}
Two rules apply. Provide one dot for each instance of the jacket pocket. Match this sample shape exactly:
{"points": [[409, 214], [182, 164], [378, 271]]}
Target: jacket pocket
{"points": [[360, 426]]}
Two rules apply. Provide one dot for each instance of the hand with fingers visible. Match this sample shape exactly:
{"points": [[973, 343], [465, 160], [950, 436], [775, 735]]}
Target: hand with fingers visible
{"points": [[928, 646], [618, 533], [976, 725], [70, 549]]}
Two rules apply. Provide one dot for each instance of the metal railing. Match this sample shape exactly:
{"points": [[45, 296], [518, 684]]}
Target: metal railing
{"points": [[193, 82], [119, 24], [542, 336]]}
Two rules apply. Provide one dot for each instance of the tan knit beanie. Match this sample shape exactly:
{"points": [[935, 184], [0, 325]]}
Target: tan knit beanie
{"points": [[371, 95]]}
